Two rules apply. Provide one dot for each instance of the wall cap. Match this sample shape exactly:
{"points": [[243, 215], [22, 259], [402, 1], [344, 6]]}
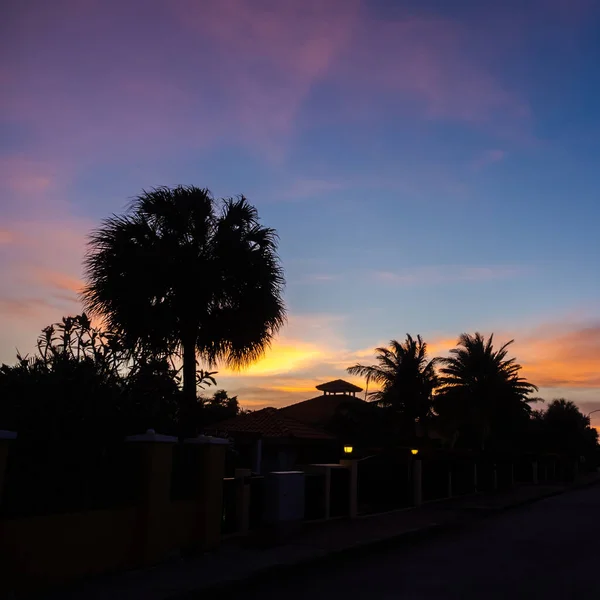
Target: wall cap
{"points": [[151, 436], [7, 435], [206, 439]]}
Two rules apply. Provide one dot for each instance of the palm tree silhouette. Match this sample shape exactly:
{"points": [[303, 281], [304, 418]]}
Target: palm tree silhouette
{"points": [[183, 274], [481, 387], [406, 379]]}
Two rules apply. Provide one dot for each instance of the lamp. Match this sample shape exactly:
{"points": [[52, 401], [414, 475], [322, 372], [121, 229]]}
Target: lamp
{"points": [[348, 449], [414, 452]]}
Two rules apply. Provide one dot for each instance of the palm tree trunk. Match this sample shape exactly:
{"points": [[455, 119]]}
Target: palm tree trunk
{"points": [[187, 410]]}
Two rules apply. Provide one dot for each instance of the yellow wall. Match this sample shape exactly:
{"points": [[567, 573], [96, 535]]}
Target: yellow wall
{"points": [[39, 552]]}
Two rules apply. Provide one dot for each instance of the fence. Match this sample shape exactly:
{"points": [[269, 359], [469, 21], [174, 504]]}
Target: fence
{"points": [[391, 481]]}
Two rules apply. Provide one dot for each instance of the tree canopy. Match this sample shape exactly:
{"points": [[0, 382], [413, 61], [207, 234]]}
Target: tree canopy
{"points": [[188, 276]]}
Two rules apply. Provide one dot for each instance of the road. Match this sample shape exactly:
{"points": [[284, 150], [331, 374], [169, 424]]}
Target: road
{"points": [[548, 550]]}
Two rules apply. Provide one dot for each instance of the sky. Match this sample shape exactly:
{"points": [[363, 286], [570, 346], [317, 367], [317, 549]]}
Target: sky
{"points": [[430, 166]]}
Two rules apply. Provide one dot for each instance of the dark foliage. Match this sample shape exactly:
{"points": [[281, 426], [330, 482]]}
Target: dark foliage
{"points": [[481, 394], [406, 381]]}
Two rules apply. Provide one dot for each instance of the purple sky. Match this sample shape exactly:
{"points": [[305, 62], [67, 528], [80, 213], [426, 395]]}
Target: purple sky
{"points": [[431, 166]]}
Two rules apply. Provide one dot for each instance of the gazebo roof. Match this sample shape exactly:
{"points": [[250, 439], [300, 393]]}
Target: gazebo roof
{"points": [[338, 386]]}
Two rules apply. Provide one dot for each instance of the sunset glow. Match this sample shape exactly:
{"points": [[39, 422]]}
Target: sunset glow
{"points": [[430, 167]]}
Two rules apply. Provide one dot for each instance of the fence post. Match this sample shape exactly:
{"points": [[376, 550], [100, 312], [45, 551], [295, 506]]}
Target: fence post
{"points": [[352, 465], [210, 500], [156, 460], [6, 438], [512, 474], [417, 482], [534, 471], [450, 482], [475, 477], [495, 478]]}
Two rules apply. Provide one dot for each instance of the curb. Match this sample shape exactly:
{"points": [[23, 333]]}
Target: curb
{"points": [[271, 572], [563, 490]]}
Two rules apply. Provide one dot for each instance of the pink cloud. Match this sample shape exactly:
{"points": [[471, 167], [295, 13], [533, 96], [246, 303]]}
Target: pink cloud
{"points": [[41, 274], [233, 71], [26, 178], [6, 236]]}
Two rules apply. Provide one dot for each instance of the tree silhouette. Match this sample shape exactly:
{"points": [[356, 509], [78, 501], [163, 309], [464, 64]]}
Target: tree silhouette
{"points": [[405, 377], [185, 275], [481, 389], [566, 429]]}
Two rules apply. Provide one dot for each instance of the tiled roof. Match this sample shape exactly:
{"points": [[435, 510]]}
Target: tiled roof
{"points": [[272, 423], [338, 386], [320, 410]]}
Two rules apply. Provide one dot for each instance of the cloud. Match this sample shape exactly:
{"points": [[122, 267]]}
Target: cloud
{"points": [[284, 357], [558, 356], [198, 74], [561, 358], [439, 275], [309, 188], [562, 355], [41, 275], [489, 157], [315, 278], [28, 185], [6, 237]]}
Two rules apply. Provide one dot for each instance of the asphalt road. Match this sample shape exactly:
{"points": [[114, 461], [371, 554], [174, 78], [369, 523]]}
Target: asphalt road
{"points": [[547, 550]]}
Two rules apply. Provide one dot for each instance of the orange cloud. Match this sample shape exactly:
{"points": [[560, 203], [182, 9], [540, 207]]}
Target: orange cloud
{"points": [[557, 356], [283, 357]]}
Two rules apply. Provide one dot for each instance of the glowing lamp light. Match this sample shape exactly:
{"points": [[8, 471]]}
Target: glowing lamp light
{"points": [[414, 452], [348, 449]]}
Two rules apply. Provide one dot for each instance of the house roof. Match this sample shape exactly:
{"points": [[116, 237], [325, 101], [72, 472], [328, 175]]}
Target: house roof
{"points": [[318, 411], [338, 386], [272, 423]]}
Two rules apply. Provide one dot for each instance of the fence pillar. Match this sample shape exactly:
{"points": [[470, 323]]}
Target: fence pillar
{"points": [[327, 492], [257, 457], [242, 499], [512, 474], [6, 438], [450, 482], [534, 471], [475, 477], [417, 482], [210, 500], [324, 469], [495, 478], [353, 487], [156, 460]]}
